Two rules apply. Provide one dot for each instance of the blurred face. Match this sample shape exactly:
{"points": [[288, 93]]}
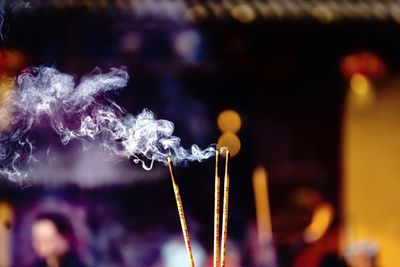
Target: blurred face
{"points": [[48, 243]]}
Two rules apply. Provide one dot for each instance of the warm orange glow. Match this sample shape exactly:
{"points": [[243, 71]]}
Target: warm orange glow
{"points": [[5, 85], [6, 99], [5, 213], [6, 218], [229, 121], [260, 187], [12, 61], [231, 141], [321, 219]]}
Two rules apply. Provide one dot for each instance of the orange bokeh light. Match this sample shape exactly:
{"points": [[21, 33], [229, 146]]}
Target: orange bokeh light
{"points": [[229, 121], [231, 141]]}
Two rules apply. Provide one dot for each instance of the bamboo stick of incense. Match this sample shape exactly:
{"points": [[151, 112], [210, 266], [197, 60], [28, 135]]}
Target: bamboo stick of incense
{"points": [[182, 219], [217, 195], [224, 237]]}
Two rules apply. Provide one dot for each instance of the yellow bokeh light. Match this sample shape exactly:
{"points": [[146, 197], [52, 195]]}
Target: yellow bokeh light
{"points": [[360, 85], [229, 121], [231, 141], [260, 187], [243, 13], [320, 222], [5, 212]]}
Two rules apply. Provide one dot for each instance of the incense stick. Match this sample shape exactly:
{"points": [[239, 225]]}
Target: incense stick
{"points": [[217, 195], [224, 237], [182, 219]]}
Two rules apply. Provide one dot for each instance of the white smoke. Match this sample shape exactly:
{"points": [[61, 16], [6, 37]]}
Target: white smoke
{"points": [[87, 168], [84, 112]]}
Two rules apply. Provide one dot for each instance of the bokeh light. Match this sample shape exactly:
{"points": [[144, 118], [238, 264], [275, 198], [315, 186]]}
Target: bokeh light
{"points": [[196, 12], [320, 221], [231, 141], [260, 187], [229, 121], [360, 85], [361, 92], [187, 45], [243, 13]]}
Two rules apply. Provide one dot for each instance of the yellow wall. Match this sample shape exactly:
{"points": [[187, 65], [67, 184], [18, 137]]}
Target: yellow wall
{"points": [[371, 161]]}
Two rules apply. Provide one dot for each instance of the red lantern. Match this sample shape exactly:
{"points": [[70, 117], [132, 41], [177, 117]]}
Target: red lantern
{"points": [[364, 63]]}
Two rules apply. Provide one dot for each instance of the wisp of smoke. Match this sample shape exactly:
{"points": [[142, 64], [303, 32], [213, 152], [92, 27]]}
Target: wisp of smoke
{"points": [[81, 112]]}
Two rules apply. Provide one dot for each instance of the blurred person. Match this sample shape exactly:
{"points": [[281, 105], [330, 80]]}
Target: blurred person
{"points": [[362, 253], [54, 242]]}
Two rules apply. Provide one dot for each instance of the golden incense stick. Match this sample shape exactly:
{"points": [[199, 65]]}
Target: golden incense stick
{"points": [[185, 231], [260, 186], [217, 194], [224, 237]]}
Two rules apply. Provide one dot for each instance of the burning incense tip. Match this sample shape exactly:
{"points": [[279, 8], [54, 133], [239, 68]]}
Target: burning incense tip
{"points": [[217, 195], [224, 237], [223, 150]]}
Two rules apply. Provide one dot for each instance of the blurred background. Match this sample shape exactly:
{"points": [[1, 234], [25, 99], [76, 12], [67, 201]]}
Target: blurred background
{"points": [[306, 94]]}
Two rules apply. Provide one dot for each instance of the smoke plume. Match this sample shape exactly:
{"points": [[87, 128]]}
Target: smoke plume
{"points": [[84, 111]]}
